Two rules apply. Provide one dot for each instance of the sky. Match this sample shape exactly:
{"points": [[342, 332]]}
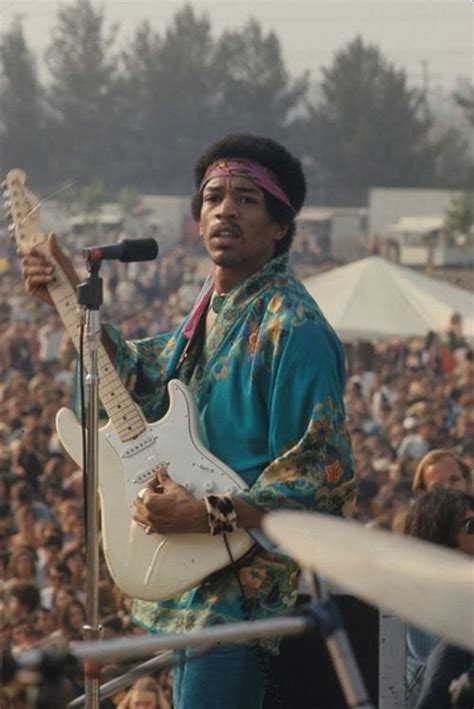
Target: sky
{"points": [[432, 40]]}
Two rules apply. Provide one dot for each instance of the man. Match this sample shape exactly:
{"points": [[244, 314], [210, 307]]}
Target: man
{"points": [[443, 468], [267, 373], [444, 516]]}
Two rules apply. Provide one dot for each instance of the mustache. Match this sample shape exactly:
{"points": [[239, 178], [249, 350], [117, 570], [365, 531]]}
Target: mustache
{"points": [[234, 229]]}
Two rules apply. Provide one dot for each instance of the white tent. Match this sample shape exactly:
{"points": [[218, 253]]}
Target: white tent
{"points": [[375, 298]]}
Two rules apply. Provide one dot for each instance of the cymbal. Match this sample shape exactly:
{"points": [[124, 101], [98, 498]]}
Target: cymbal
{"points": [[423, 583]]}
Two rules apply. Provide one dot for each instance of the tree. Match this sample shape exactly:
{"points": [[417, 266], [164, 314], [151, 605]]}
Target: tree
{"points": [[22, 111], [185, 90], [254, 91], [129, 200], [140, 108], [370, 129], [83, 94], [67, 196], [91, 199], [169, 82], [453, 167], [464, 98], [460, 218]]}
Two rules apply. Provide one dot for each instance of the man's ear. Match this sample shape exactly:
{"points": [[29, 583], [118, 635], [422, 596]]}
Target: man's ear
{"points": [[281, 231]]}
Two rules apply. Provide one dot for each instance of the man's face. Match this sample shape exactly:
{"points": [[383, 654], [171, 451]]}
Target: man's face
{"points": [[464, 539], [445, 473], [237, 230]]}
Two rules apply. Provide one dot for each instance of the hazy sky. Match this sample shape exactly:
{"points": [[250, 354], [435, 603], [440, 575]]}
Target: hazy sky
{"points": [[433, 38]]}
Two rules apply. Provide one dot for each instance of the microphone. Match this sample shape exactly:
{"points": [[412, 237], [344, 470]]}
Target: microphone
{"points": [[126, 250]]}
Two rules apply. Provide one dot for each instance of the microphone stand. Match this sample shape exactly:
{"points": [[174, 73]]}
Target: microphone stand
{"points": [[90, 297]]}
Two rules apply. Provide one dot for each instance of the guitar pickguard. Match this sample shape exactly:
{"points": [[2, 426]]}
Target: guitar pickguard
{"points": [[155, 567]]}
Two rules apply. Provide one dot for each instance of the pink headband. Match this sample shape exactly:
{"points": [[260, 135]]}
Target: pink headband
{"points": [[252, 171]]}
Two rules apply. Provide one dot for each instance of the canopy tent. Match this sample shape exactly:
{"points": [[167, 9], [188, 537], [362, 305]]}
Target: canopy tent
{"points": [[374, 298]]}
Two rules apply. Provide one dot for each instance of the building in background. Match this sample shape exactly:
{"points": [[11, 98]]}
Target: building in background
{"points": [[338, 233]]}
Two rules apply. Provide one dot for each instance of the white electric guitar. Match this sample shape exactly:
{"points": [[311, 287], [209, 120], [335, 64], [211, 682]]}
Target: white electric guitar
{"points": [[151, 567]]}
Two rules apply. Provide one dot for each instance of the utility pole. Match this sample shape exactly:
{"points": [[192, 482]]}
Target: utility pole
{"points": [[426, 83]]}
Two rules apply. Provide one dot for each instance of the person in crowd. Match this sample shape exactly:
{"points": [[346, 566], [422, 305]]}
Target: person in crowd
{"points": [[112, 626], [455, 337], [49, 337], [25, 520], [71, 621], [18, 345], [252, 328], [145, 693], [22, 566], [44, 621], [446, 517], [57, 575], [22, 599], [62, 598], [75, 561], [418, 439], [22, 494], [444, 468], [19, 630], [49, 551]]}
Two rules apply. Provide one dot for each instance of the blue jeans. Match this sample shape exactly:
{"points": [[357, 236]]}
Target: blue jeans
{"points": [[229, 677], [444, 664]]}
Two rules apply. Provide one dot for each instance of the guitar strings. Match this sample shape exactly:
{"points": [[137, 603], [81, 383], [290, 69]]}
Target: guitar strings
{"points": [[49, 196]]}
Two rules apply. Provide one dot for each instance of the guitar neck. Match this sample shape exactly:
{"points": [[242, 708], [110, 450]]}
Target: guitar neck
{"points": [[124, 413]]}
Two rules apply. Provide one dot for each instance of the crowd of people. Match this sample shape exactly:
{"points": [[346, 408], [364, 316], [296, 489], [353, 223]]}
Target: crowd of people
{"points": [[410, 409]]}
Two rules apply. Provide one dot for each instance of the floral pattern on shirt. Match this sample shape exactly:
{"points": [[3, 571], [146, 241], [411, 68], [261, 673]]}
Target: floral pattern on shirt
{"points": [[268, 385]]}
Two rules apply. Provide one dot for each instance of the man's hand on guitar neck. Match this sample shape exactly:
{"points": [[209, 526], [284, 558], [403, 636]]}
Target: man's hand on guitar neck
{"points": [[164, 507], [39, 271]]}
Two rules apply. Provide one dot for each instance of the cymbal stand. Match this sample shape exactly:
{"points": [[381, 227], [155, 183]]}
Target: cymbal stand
{"points": [[327, 620]]}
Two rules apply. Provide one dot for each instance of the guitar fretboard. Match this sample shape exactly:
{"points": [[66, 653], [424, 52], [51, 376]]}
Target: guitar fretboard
{"points": [[126, 416], [22, 209]]}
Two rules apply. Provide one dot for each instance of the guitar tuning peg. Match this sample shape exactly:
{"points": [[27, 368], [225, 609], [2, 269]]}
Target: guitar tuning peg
{"points": [[7, 204], [11, 228], [4, 185]]}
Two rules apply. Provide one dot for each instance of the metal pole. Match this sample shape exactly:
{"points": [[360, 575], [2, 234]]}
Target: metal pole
{"points": [[123, 648], [347, 670], [321, 616], [125, 680], [90, 296], [328, 620], [92, 629]]}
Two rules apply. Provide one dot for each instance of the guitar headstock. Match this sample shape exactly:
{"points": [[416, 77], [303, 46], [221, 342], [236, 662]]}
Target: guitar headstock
{"points": [[22, 208]]}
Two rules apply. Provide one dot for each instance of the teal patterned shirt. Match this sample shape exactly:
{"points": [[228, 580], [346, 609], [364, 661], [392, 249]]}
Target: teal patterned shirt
{"points": [[268, 386]]}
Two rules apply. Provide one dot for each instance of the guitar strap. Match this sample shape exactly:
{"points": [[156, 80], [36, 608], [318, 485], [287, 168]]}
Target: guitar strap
{"points": [[194, 332]]}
